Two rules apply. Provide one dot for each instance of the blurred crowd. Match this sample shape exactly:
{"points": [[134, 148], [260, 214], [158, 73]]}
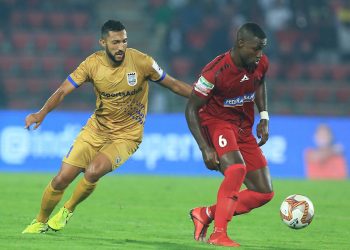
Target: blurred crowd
{"points": [[308, 46], [299, 32], [43, 41]]}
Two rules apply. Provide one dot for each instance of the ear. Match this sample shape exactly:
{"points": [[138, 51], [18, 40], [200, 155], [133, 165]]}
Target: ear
{"points": [[102, 42]]}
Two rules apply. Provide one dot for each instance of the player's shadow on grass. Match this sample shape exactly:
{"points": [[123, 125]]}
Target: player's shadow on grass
{"points": [[169, 245], [272, 247], [136, 244]]}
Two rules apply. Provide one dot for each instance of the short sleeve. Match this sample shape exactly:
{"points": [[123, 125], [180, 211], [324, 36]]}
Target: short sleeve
{"points": [[153, 71], [81, 74]]}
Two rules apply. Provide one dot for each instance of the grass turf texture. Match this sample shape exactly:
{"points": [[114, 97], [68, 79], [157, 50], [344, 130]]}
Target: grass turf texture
{"points": [[149, 212]]}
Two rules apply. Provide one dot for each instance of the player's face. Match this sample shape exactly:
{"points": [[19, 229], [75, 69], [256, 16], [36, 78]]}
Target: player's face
{"points": [[116, 43], [251, 51]]}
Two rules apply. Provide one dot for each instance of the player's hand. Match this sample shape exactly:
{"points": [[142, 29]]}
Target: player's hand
{"points": [[210, 158], [262, 131], [36, 118]]}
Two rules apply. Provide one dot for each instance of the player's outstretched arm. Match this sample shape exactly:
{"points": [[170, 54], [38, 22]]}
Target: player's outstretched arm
{"points": [[210, 156], [262, 129], [51, 103], [177, 86]]}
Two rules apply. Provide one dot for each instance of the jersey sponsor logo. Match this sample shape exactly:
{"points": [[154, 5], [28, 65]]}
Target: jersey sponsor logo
{"points": [[132, 78], [240, 100], [203, 86], [122, 94], [244, 78], [156, 67]]}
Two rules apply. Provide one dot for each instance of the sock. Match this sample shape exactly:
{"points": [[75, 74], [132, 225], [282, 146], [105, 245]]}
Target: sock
{"points": [[228, 195], [81, 192], [49, 201], [247, 200]]}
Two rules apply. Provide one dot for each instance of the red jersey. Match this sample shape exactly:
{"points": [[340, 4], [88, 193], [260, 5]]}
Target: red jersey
{"points": [[230, 91]]}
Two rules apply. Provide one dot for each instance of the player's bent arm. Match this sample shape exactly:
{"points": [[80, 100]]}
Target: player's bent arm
{"points": [[192, 118], [262, 129], [57, 97], [54, 100], [261, 97], [209, 155], [177, 86]]}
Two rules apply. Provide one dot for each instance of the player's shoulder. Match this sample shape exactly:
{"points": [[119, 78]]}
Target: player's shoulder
{"points": [[97, 57], [136, 53], [209, 71], [215, 64], [264, 61]]}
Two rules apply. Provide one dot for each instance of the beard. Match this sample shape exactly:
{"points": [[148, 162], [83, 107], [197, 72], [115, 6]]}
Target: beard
{"points": [[250, 66], [112, 57]]}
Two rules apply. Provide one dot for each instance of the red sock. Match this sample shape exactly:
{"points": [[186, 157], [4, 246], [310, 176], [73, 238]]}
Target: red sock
{"points": [[247, 200], [227, 195]]}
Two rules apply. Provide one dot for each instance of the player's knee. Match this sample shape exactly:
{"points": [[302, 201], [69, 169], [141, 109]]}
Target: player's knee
{"points": [[92, 175], [236, 170], [60, 182], [94, 172]]}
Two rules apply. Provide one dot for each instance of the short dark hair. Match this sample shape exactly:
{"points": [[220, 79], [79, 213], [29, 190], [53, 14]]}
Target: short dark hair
{"points": [[111, 25], [250, 29]]}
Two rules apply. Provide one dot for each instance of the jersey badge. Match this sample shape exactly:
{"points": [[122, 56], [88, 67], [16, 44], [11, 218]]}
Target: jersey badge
{"points": [[244, 78], [117, 160], [132, 78]]}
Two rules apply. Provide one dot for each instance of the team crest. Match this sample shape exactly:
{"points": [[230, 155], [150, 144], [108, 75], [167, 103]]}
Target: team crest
{"points": [[132, 78], [118, 160]]}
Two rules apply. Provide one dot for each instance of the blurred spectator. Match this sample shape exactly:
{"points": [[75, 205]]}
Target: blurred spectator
{"points": [[174, 39], [5, 13], [3, 97], [278, 15], [326, 160], [306, 40], [343, 15]]}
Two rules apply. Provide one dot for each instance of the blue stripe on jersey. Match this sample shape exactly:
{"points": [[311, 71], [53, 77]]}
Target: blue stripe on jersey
{"points": [[72, 82], [162, 77]]}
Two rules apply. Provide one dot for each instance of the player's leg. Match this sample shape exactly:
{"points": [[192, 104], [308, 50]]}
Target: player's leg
{"points": [[258, 180], [107, 159], [259, 191], [99, 166], [52, 195], [223, 137], [80, 154], [234, 170]]}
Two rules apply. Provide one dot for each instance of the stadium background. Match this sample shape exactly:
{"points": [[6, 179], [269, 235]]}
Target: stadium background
{"points": [[41, 42], [146, 207]]}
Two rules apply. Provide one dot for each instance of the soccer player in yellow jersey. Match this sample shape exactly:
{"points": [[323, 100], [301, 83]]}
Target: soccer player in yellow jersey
{"points": [[113, 133]]}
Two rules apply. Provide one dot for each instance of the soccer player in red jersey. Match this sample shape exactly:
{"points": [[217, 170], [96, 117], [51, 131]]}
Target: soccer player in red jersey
{"points": [[220, 115]]}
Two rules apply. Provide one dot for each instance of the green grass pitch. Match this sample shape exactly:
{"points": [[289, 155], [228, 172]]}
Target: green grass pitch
{"points": [[150, 212]]}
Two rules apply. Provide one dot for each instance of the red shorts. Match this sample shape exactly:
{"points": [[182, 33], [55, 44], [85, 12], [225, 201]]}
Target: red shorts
{"points": [[226, 137]]}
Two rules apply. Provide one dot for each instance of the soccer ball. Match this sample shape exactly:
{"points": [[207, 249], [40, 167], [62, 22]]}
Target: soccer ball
{"points": [[297, 211]]}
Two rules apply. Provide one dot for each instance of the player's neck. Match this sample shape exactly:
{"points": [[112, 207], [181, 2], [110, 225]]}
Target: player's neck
{"points": [[113, 63], [238, 62], [236, 59]]}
